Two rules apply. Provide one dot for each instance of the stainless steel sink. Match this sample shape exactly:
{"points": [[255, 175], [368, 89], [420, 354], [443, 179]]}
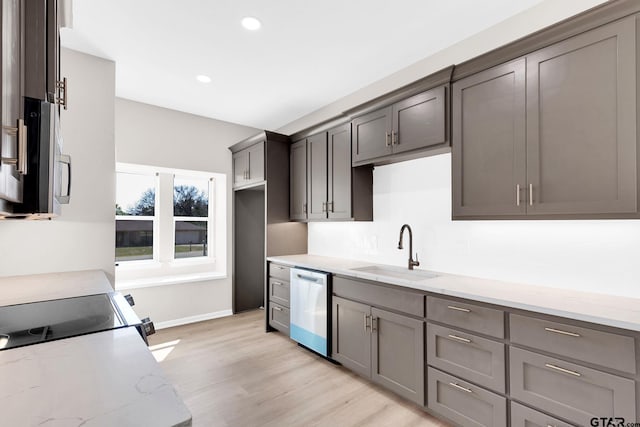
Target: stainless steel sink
{"points": [[396, 272]]}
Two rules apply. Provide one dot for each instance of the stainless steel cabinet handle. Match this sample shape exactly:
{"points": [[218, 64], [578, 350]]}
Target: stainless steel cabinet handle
{"points": [[374, 323], [387, 139], [517, 194], [66, 160], [278, 283], [276, 308], [366, 322], [566, 371], [307, 278], [457, 338], [20, 161], [394, 138], [453, 307], [62, 87], [558, 331], [459, 387], [324, 206], [304, 207], [530, 194], [330, 207]]}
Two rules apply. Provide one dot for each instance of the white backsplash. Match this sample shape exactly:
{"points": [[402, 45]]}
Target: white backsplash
{"points": [[598, 256]]}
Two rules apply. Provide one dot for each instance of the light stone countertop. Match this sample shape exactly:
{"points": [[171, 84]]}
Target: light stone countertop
{"points": [[43, 287], [609, 310], [104, 379]]}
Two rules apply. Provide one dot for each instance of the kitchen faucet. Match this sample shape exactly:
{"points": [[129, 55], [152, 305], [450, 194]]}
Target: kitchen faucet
{"points": [[412, 263]]}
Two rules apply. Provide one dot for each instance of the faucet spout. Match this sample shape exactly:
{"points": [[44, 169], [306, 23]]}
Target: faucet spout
{"points": [[411, 262]]}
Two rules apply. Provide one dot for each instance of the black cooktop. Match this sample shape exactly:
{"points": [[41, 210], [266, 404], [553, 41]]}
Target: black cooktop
{"points": [[36, 322]]}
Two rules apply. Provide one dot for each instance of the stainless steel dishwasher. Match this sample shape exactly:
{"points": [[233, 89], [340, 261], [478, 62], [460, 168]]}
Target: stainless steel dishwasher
{"points": [[309, 324]]}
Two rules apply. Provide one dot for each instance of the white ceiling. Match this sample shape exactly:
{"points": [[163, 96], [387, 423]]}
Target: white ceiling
{"points": [[307, 54]]}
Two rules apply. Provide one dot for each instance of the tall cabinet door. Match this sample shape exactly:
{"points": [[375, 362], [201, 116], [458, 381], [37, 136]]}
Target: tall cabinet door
{"points": [[419, 121], [256, 163], [488, 142], [372, 135], [351, 344], [298, 181], [581, 123], [12, 106], [317, 176], [339, 183], [397, 349]]}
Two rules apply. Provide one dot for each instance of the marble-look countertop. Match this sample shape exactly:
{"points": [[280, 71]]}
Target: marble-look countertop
{"points": [[103, 379], [43, 287], [609, 310]]}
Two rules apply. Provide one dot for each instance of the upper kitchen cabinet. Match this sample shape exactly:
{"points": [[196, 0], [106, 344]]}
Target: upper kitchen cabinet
{"points": [[248, 165], [552, 134], [12, 142], [488, 137], [324, 185], [413, 123], [42, 79]]}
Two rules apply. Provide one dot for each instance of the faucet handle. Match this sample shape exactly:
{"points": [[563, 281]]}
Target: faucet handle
{"points": [[416, 262]]}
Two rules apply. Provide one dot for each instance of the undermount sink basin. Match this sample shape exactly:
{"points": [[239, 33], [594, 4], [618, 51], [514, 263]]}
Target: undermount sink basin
{"points": [[396, 272]]}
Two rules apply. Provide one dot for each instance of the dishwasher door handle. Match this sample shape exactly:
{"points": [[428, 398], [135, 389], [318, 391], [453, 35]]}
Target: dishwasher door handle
{"points": [[308, 278]]}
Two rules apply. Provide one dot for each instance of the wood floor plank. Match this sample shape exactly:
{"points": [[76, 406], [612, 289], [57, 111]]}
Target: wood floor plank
{"points": [[231, 373]]}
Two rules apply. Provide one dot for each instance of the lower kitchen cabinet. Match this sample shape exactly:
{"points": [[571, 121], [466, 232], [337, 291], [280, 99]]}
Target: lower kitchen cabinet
{"points": [[279, 317], [383, 346], [465, 403], [570, 391], [523, 416]]}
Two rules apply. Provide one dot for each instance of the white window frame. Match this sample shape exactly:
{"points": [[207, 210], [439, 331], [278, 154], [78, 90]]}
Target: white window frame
{"points": [[165, 269]]}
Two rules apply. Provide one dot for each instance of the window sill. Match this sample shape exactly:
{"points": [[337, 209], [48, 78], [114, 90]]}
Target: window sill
{"points": [[167, 280]]}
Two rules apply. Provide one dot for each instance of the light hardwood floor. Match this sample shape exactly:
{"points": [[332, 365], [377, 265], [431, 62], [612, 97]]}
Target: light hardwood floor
{"points": [[231, 373]]}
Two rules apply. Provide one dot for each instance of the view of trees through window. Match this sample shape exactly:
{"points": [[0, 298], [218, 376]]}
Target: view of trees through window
{"points": [[135, 215]]}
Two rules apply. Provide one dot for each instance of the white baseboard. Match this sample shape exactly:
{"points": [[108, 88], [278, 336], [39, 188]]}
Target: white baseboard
{"points": [[192, 319]]}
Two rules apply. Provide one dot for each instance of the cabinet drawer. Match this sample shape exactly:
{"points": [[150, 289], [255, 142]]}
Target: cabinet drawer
{"points": [[463, 403], [527, 417], [380, 296], [568, 390], [467, 316], [279, 291], [601, 348], [278, 271], [476, 359], [279, 317]]}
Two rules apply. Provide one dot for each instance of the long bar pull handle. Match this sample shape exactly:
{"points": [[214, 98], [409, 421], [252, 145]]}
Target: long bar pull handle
{"points": [[307, 278], [558, 331], [387, 141], [366, 322], [277, 283], [20, 161], [530, 194], [459, 387], [517, 194], [453, 307], [276, 308], [304, 207], [457, 338], [374, 323], [563, 370], [62, 92], [394, 138], [66, 160]]}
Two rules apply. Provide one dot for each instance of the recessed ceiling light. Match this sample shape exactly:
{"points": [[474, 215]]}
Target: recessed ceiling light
{"points": [[203, 79], [251, 23]]}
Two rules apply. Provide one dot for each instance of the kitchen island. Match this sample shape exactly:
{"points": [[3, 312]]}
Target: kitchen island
{"points": [[107, 378]]}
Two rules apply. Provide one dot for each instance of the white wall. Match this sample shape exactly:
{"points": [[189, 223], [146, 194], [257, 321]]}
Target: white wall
{"points": [[597, 256], [544, 14], [155, 136], [82, 237]]}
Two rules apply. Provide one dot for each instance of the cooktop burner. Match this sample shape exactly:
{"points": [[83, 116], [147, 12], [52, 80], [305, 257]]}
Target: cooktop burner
{"points": [[37, 322]]}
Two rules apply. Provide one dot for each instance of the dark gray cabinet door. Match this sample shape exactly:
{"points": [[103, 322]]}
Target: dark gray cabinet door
{"points": [[11, 34], [339, 175], [488, 142], [581, 123], [527, 417], [317, 176], [298, 181], [256, 163], [419, 121], [351, 335], [372, 135], [397, 348], [240, 167]]}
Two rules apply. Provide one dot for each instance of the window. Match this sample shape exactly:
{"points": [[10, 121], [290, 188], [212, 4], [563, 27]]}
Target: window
{"points": [[135, 216], [191, 217], [170, 225]]}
